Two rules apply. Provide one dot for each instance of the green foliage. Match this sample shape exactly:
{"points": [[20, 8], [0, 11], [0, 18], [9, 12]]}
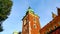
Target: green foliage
{"points": [[1, 28], [5, 8]]}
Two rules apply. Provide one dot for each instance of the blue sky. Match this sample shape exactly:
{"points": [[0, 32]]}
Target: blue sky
{"points": [[43, 8]]}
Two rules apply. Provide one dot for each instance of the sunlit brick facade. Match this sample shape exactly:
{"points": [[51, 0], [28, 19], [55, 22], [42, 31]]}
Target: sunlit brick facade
{"points": [[31, 23]]}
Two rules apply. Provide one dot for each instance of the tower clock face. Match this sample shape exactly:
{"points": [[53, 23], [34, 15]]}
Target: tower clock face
{"points": [[24, 22]]}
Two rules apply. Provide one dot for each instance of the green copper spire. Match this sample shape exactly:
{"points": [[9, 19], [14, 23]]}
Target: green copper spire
{"points": [[29, 7], [29, 10]]}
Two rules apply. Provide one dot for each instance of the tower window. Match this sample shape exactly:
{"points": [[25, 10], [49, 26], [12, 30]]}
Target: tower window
{"points": [[54, 27], [34, 20], [35, 26], [50, 29]]}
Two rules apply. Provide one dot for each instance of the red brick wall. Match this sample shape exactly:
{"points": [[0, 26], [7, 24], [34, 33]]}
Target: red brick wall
{"points": [[31, 19], [51, 25]]}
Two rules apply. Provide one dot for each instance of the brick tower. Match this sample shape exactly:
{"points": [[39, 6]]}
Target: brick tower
{"points": [[31, 23]]}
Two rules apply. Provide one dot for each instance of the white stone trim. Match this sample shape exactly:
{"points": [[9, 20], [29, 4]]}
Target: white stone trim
{"points": [[29, 28]]}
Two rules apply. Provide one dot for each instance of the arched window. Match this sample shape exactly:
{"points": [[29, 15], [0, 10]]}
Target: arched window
{"points": [[50, 29], [54, 27], [34, 26], [34, 20]]}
